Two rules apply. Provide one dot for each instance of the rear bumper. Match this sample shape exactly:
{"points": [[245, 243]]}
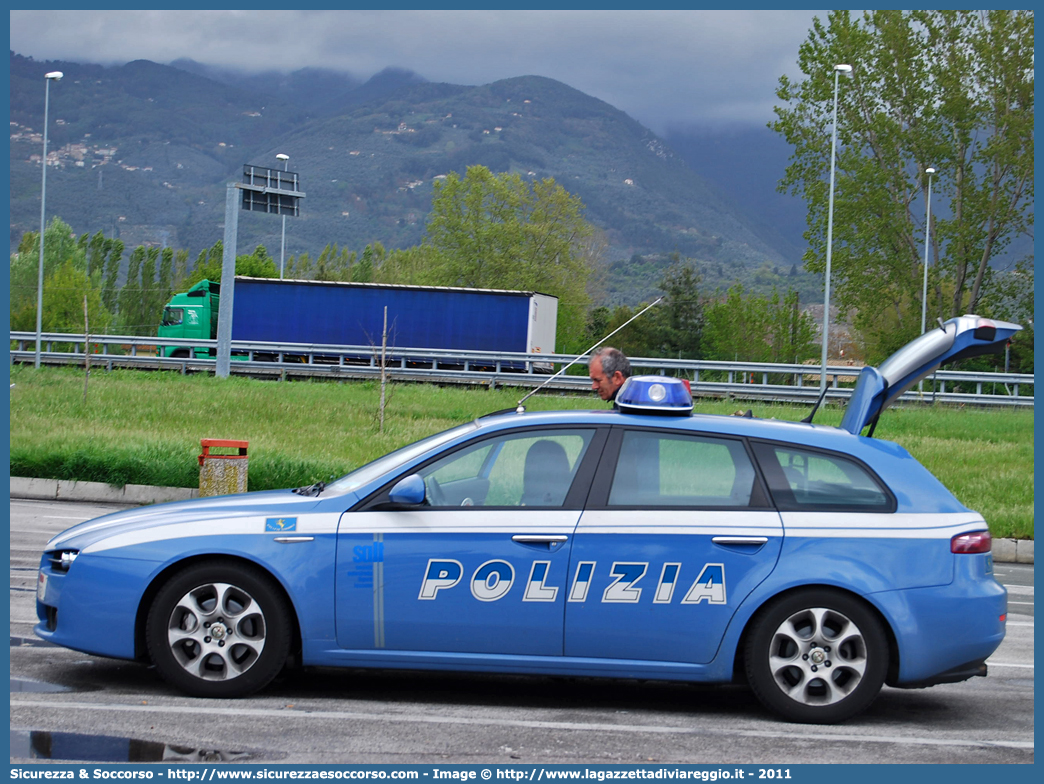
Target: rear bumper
{"points": [[975, 669], [945, 633]]}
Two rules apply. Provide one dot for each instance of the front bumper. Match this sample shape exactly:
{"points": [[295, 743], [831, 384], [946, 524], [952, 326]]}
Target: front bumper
{"points": [[93, 606]]}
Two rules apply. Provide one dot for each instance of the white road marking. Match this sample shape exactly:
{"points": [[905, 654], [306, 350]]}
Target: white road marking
{"points": [[821, 734], [1009, 664], [81, 518]]}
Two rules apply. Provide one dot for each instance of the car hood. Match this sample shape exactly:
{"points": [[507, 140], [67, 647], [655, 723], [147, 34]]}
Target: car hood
{"points": [[958, 338], [270, 503]]}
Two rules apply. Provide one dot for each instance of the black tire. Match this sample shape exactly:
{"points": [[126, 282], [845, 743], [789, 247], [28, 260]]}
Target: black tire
{"points": [[816, 656], [186, 628], [181, 353]]}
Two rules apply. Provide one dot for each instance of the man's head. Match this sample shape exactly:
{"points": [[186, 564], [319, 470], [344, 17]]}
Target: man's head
{"points": [[608, 369]]}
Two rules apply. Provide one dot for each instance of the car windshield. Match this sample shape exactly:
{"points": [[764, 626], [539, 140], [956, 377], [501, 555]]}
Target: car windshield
{"points": [[382, 465]]}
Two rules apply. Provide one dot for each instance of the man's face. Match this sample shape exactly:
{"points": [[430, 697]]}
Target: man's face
{"points": [[604, 385]]}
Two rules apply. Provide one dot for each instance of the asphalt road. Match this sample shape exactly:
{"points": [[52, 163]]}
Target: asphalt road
{"points": [[69, 705]]}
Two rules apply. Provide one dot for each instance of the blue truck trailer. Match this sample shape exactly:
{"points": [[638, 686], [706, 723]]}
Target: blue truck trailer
{"points": [[352, 314]]}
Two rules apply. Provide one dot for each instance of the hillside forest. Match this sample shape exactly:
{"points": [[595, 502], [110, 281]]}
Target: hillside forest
{"points": [[485, 231], [529, 184]]}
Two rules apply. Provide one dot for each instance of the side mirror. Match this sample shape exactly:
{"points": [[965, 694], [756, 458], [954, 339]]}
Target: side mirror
{"points": [[408, 491]]}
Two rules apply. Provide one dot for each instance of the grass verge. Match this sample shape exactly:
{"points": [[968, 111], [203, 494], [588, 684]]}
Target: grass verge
{"points": [[145, 428]]}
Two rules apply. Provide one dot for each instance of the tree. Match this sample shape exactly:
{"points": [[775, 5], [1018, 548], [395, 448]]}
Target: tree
{"points": [[490, 230], [951, 90], [97, 251], [335, 264], [180, 269], [63, 301], [110, 293], [150, 314], [255, 265], [748, 327], [372, 262], [208, 263], [671, 329], [791, 334], [66, 281], [166, 275], [131, 317], [680, 315], [1012, 300], [60, 246], [735, 327]]}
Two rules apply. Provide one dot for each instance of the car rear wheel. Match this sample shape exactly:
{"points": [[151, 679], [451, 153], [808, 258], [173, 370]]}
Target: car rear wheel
{"points": [[816, 656], [219, 629]]}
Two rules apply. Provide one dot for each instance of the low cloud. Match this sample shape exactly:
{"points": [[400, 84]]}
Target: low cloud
{"points": [[661, 67]]}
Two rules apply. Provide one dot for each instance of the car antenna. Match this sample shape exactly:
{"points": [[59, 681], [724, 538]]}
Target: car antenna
{"points": [[808, 420], [521, 408]]}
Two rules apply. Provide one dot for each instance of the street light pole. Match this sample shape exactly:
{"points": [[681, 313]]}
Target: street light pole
{"points": [[282, 245], [838, 70], [53, 76], [927, 237]]}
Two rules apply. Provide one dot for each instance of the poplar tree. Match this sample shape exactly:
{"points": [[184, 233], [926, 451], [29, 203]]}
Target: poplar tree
{"points": [[951, 90]]}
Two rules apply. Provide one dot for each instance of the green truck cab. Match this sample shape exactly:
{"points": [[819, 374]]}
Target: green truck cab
{"points": [[192, 314]]}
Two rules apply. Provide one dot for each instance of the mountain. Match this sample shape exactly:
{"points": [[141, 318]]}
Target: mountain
{"points": [[318, 91], [144, 150], [745, 164]]}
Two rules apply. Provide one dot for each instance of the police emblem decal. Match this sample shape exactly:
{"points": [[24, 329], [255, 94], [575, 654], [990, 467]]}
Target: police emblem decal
{"points": [[281, 524]]}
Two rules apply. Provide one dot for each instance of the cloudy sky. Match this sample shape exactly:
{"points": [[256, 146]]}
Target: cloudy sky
{"points": [[664, 68]]}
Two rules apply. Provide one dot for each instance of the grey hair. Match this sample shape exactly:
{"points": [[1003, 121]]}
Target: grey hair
{"points": [[612, 360]]}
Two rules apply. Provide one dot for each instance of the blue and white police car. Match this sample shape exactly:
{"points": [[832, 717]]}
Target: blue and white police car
{"points": [[815, 562]]}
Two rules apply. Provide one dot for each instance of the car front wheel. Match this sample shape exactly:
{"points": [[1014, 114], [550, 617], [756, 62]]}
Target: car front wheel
{"points": [[816, 656], [219, 629]]}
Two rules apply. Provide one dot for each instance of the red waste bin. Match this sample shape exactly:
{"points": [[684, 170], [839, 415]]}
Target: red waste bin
{"points": [[222, 474]]}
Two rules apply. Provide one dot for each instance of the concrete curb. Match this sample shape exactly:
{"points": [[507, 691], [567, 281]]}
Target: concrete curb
{"points": [[1013, 550], [1004, 550], [64, 490]]}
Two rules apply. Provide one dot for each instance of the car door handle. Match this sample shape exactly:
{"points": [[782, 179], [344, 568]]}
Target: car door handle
{"points": [[293, 539], [539, 538], [739, 539]]}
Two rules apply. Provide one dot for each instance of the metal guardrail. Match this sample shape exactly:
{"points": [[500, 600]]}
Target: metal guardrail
{"points": [[761, 381]]}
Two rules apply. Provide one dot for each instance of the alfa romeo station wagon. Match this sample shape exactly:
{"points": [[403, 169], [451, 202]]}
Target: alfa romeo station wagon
{"points": [[647, 542]]}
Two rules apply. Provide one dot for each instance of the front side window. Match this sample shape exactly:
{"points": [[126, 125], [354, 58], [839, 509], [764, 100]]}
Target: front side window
{"points": [[532, 469], [172, 317], [382, 465], [679, 470], [805, 480]]}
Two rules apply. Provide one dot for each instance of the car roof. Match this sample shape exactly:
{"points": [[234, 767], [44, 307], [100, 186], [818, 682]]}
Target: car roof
{"points": [[825, 436]]}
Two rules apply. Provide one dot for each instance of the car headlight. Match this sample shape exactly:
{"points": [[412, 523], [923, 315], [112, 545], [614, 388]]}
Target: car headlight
{"points": [[61, 560]]}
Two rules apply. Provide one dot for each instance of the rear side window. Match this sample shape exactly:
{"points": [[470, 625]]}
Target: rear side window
{"points": [[657, 469], [808, 480]]}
